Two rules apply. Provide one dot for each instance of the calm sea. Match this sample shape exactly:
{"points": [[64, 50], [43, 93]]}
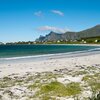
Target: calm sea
{"points": [[7, 51]]}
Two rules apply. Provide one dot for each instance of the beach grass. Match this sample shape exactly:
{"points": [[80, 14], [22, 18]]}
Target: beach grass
{"points": [[57, 89], [47, 86], [93, 81]]}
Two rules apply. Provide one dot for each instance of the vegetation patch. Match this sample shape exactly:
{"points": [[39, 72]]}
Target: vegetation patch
{"points": [[44, 85], [79, 73], [58, 89], [93, 81]]}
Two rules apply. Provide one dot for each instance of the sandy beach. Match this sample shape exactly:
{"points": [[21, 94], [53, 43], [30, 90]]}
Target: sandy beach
{"points": [[28, 79], [49, 64]]}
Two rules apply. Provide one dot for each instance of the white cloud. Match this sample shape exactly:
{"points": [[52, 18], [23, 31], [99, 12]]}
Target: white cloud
{"points": [[57, 12], [38, 13], [55, 29]]}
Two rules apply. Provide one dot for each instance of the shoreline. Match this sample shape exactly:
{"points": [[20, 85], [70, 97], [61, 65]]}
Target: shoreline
{"points": [[49, 63], [58, 44], [25, 78], [53, 54], [73, 44]]}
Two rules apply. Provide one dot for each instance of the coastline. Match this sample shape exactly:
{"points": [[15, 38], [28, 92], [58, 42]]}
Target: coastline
{"points": [[86, 44], [69, 44], [55, 54], [48, 63], [25, 77], [72, 44]]}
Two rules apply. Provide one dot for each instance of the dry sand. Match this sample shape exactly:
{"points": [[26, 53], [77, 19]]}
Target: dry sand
{"points": [[57, 65], [50, 64]]}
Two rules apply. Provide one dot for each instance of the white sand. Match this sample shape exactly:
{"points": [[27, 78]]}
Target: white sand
{"points": [[47, 65]]}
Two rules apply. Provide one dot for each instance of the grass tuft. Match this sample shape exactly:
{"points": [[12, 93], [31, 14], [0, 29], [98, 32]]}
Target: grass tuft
{"points": [[60, 90]]}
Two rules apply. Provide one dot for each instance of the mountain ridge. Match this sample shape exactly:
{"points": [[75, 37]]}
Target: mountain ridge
{"points": [[67, 36]]}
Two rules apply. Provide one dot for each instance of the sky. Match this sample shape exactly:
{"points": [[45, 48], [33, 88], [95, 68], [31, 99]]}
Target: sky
{"points": [[26, 20]]}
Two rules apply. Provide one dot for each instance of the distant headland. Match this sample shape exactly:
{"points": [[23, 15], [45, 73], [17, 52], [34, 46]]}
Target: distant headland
{"points": [[88, 36]]}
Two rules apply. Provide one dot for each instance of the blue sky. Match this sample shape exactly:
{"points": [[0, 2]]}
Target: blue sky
{"points": [[24, 20]]}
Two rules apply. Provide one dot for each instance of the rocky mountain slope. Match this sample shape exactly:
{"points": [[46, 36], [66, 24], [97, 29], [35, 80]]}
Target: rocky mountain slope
{"points": [[88, 33]]}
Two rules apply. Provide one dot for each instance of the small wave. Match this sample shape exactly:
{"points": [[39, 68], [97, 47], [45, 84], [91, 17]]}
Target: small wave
{"points": [[24, 57], [95, 49]]}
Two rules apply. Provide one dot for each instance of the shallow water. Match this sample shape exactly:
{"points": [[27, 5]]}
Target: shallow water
{"points": [[8, 51]]}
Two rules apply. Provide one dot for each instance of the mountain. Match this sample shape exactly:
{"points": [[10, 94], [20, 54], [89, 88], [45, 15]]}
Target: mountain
{"points": [[1, 43], [88, 33], [92, 32]]}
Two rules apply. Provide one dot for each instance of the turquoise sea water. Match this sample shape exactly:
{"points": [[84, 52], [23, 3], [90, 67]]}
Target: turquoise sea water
{"points": [[7, 51]]}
